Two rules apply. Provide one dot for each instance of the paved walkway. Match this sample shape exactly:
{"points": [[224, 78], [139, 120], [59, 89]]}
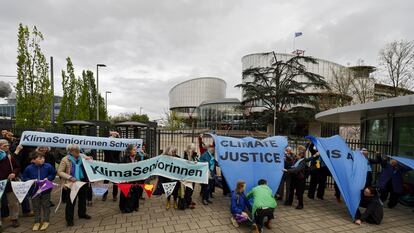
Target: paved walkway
{"points": [[317, 216]]}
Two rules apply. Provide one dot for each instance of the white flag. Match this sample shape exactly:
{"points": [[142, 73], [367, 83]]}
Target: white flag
{"points": [[100, 190], [187, 184], [74, 189], [169, 187], [20, 189], [3, 184]]}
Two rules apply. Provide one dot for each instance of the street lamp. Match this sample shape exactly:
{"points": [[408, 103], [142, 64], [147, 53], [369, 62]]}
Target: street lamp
{"points": [[106, 101], [97, 89]]}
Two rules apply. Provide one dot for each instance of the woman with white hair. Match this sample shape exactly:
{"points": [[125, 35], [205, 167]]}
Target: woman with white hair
{"points": [[71, 170], [190, 154], [9, 169]]}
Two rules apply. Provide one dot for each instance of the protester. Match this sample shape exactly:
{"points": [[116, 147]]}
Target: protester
{"points": [[112, 157], [191, 155], [263, 206], [208, 157], [130, 203], [298, 176], [391, 181], [173, 153], [9, 169], [286, 178], [71, 170], [319, 173], [370, 162], [39, 171], [239, 205], [142, 155], [374, 208]]}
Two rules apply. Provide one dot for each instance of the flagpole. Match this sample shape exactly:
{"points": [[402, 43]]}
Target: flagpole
{"points": [[294, 40]]}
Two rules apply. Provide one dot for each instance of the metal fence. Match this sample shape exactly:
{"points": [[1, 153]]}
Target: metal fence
{"points": [[156, 140]]}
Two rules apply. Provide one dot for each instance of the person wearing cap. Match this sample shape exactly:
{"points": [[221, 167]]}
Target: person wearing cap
{"points": [[370, 162]]}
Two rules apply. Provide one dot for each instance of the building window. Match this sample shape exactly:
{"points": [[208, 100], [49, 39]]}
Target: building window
{"points": [[377, 130], [404, 136]]}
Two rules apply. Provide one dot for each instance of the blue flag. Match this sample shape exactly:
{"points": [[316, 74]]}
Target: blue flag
{"points": [[250, 160], [406, 161], [348, 168], [297, 34]]}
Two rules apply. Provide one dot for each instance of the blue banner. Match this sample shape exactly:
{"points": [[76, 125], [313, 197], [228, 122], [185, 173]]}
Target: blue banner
{"points": [[162, 165], [250, 160], [34, 138], [406, 161], [348, 168]]}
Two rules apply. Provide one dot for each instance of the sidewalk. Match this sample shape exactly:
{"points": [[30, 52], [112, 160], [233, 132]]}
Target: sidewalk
{"points": [[317, 216]]}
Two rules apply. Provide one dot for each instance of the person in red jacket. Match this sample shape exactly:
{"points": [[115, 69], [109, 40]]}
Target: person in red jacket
{"points": [[9, 169]]}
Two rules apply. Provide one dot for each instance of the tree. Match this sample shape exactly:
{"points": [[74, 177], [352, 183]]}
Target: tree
{"points": [[281, 86], [342, 84], [397, 61], [143, 118], [68, 105], [172, 121], [33, 89]]}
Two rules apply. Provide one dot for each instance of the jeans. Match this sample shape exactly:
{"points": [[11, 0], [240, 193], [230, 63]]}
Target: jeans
{"points": [[41, 202]]}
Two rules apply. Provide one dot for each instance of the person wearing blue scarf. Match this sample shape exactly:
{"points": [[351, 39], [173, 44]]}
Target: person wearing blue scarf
{"points": [[208, 157], [71, 170], [297, 172]]}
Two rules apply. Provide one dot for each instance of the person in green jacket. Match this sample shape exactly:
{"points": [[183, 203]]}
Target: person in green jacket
{"points": [[264, 204]]}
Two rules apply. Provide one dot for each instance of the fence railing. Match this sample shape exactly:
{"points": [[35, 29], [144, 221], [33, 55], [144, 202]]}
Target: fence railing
{"points": [[156, 140]]}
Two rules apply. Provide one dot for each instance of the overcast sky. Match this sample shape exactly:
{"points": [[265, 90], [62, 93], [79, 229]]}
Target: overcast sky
{"points": [[149, 46]]}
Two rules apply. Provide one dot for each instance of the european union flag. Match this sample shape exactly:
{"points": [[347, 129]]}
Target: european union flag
{"points": [[298, 34]]}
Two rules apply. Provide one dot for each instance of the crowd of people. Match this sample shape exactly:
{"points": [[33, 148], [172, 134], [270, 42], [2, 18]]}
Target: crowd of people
{"points": [[24, 163]]}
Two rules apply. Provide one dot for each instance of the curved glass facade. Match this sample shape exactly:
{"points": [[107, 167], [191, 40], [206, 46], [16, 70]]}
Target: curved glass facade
{"points": [[191, 93], [220, 115]]}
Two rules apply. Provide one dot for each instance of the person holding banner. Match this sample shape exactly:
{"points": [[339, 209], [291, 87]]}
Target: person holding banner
{"points": [[131, 202], [298, 176], [173, 153], [39, 170], [264, 205], [370, 162], [239, 205], [111, 156], [208, 157], [71, 170], [374, 208], [391, 181], [9, 169], [191, 155], [286, 178]]}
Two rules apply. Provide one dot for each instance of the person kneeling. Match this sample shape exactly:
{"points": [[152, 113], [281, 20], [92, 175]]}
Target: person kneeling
{"points": [[263, 205], [374, 208], [239, 205]]}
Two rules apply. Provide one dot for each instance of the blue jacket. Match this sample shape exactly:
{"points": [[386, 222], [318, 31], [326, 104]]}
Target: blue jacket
{"points": [[33, 172], [239, 203], [395, 175], [207, 157]]}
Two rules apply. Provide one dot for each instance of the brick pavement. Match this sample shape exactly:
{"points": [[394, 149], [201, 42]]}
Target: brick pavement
{"points": [[317, 216]]}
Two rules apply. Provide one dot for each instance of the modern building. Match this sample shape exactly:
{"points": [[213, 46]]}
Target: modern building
{"points": [[203, 100], [390, 120], [8, 110], [325, 68], [220, 114], [185, 97]]}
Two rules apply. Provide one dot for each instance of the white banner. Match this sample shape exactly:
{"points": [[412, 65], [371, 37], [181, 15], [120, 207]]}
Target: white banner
{"points": [[20, 189], [169, 187], [34, 138], [74, 189], [3, 184]]}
